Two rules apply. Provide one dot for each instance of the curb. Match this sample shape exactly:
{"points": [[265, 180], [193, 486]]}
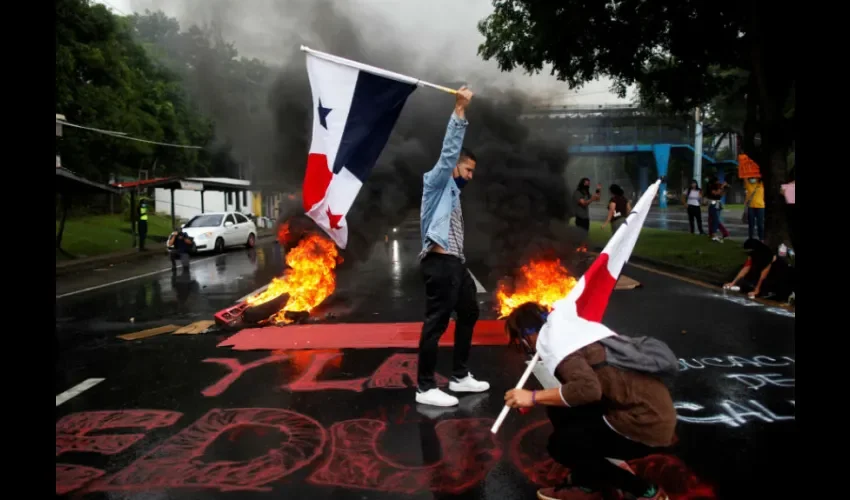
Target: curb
{"points": [[686, 272], [71, 267]]}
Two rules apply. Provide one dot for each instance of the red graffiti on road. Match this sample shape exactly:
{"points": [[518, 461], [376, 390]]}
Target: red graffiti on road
{"points": [[467, 451], [665, 470], [399, 372], [73, 433], [468, 448], [179, 462], [236, 371], [70, 477], [308, 380], [396, 372]]}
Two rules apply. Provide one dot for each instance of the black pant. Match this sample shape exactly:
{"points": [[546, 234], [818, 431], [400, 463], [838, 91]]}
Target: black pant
{"points": [[583, 223], [183, 257], [448, 287], [582, 441], [695, 214], [143, 233], [779, 283]]}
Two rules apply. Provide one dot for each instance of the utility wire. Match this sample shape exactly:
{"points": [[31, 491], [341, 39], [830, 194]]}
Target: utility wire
{"points": [[123, 135]]}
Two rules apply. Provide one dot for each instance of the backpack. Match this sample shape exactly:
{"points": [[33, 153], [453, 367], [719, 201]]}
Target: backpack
{"points": [[641, 354]]}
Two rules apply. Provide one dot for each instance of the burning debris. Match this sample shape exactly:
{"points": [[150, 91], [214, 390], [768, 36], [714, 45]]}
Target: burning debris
{"points": [[308, 281], [541, 281]]}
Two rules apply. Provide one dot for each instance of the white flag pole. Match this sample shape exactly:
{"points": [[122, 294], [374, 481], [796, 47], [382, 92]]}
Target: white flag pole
{"points": [[522, 381], [375, 70]]}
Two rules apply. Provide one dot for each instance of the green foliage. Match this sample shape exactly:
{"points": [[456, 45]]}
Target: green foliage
{"points": [[105, 80], [731, 57], [90, 235]]}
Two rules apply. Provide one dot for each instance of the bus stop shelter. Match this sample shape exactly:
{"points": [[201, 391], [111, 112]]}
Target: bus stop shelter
{"points": [[173, 184]]}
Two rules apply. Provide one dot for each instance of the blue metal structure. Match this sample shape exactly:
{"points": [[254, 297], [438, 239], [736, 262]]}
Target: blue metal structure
{"points": [[599, 130], [661, 153]]}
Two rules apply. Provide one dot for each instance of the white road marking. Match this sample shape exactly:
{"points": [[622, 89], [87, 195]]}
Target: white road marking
{"points": [[89, 289], [478, 286], [78, 389]]}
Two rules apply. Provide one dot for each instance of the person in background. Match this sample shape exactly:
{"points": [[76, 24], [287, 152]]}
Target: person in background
{"points": [[618, 208], [581, 203], [755, 207], [764, 273], [789, 191], [693, 200], [143, 223], [715, 193], [179, 246], [598, 411]]}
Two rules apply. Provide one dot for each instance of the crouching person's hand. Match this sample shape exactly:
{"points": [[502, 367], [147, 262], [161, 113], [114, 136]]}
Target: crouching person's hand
{"points": [[518, 398]]}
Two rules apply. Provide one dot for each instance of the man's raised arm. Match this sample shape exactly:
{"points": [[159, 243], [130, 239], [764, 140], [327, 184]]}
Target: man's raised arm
{"points": [[453, 141]]}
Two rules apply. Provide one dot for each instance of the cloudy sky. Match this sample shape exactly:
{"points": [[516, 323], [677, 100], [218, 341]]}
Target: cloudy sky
{"points": [[437, 30]]}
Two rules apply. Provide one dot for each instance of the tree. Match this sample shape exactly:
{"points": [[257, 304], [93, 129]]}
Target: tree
{"points": [[105, 80], [683, 54], [231, 90]]}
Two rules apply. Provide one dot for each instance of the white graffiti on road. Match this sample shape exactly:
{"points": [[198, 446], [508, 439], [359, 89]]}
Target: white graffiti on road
{"points": [[752, 303], [732, 413], [759, 361], [758, 380]]}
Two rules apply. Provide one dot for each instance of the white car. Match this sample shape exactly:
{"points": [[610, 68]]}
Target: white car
{"points": [[219, 230]]}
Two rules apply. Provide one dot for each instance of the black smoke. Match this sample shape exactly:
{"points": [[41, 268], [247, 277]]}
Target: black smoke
{"points": [[515, 208]]}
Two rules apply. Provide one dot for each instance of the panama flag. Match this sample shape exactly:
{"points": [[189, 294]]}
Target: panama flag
{"points": [[575, 321], [355, 107]]}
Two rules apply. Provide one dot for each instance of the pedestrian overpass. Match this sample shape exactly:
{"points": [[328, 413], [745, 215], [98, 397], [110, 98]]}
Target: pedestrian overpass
{"points": [[622, 129]]}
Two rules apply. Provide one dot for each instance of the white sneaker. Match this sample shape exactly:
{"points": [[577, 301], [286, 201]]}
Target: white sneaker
{"points": [[468, 384], [435, 397]]}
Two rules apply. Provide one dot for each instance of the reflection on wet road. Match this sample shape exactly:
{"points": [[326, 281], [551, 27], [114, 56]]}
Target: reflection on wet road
{"points": [[176, 416]]}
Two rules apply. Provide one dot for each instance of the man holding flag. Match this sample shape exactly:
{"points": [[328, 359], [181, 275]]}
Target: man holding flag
{"points": [[448, 284]]}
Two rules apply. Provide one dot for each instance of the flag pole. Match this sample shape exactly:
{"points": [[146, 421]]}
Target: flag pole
{"points": [[375, 70], [522, 381], [438, 87]]}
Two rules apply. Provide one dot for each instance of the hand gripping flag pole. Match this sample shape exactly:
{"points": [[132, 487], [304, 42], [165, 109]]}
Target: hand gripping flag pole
{"points": [[592, 291], [376, 71]]}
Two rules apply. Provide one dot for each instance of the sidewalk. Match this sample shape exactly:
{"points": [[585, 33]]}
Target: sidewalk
{"points": [[130, 255]]}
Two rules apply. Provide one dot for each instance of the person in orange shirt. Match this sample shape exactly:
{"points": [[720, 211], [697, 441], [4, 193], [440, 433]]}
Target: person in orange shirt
{"points": [[755, 206]]}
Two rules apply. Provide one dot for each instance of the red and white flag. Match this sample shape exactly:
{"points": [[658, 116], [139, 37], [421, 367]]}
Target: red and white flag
{"points": [[575, 320]]}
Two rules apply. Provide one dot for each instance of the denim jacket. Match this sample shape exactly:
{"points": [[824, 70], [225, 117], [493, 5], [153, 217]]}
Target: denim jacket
{"points": [[439, 195]]}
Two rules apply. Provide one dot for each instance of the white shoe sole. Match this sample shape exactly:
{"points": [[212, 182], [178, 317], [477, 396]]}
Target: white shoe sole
{"points": [[447, 404], [459, 388]]}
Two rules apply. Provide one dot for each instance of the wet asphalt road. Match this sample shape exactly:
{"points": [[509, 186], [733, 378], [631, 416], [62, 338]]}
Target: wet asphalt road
{"points": [[176, 417], [675, 219]]}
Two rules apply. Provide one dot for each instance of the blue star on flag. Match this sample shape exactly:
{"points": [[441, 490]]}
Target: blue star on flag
{"points": [[323, 114]]}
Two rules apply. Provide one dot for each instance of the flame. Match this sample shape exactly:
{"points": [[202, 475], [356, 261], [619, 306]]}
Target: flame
{"points": [[541, 281], [310, 279]]}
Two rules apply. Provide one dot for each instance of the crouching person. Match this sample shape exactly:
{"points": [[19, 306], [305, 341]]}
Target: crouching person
{"points": [[601, 410], [179, 246]]}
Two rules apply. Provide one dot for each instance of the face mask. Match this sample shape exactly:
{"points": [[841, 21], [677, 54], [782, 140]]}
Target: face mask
{"points": [[461, 182], [753, 181]]}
